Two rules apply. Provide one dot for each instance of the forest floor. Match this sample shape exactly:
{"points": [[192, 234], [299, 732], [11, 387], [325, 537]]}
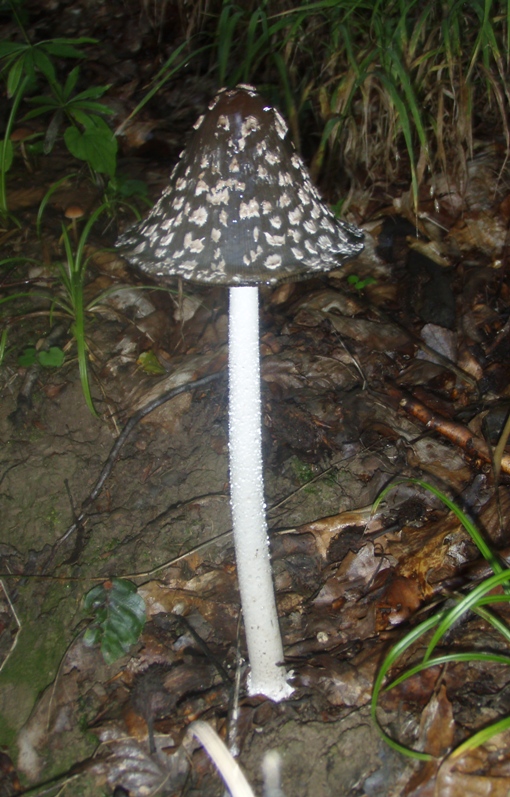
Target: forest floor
{"points": [[393, 368]]}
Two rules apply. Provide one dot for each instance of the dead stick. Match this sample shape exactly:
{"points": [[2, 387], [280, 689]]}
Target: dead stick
{"points": [[457, 433]]}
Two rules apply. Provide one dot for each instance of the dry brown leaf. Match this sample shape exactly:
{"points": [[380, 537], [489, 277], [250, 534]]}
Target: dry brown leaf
{"points": [[435, 737], [437, 726], [434, 250], [330, 300], [326, 529], [480, 772], [128, 762], [190, 369], [480, 231], [293, 370], [422, 553], [398, 602], [212, 594], [372, 334]]}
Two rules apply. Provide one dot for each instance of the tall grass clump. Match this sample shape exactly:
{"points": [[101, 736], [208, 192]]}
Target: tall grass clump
{"points": [[381, 90]]}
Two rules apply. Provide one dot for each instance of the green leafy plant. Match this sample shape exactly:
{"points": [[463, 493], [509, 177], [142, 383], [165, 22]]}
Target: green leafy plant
{"points": [[52, 358], [358, 283], [72, 275], [66, 298], [123, 192], [22, 66], [87, 135], [432, 630], [65, 292], [118, 617]]}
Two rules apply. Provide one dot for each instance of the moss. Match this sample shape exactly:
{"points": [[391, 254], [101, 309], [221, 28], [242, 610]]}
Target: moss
{"points": [[302, 471], [32, 664]]}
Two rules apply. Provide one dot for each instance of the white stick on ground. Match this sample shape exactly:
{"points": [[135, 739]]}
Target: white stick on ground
{"points": [[229, 769], [258, 602]]}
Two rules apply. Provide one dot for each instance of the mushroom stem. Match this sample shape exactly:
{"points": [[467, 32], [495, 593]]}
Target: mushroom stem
{"points": [[265, 650]]}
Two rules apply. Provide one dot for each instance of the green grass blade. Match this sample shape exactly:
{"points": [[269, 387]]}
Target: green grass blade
{"points": [[167, 71], [78, 329], [3, 344], [447, 658], [396, 651], [227, 24], [46, 198], [465, 605], [481, 737]]}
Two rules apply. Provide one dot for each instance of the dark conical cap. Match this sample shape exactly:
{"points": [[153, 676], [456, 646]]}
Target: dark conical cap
{"points": [[241, 208]]}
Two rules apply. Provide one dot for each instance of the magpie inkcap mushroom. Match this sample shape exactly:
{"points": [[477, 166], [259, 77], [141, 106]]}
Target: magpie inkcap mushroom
{"points": [[241, 210]]}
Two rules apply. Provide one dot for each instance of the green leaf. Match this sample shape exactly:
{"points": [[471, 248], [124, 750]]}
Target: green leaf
{"points": [[128, 187], [111, 648], [6, 154], [94, 93], [92, 636], [150, 364], [119, 617], [65, 48], [53, 358], [76, 106], [9, 48], [14, 77], [45, 65], [28, 358], [96, 145], [94, 598], [49, 103], [71, 81]]}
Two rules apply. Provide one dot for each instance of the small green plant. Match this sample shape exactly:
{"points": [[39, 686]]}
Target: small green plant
{"points": [[52, 358], [77, 115], [87, 135], [72, 276], [302, 470], [434, 629], [118, 617], [360, 284], [124, 193], [67, 299]]}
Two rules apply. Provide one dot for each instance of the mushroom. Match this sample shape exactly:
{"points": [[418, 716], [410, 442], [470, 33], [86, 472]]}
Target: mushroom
{"points": [[241, 211], [73, 213], [21, 135]]}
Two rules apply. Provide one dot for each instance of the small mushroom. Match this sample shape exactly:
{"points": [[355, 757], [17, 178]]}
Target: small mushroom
{"points": [[242, 211], [20, 136], [73, 213]]}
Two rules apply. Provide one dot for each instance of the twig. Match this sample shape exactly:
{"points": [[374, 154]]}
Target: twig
{"points": [[457, 433]]}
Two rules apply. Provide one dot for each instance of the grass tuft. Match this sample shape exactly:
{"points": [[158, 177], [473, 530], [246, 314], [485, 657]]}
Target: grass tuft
{"points": [[432, 630]]}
